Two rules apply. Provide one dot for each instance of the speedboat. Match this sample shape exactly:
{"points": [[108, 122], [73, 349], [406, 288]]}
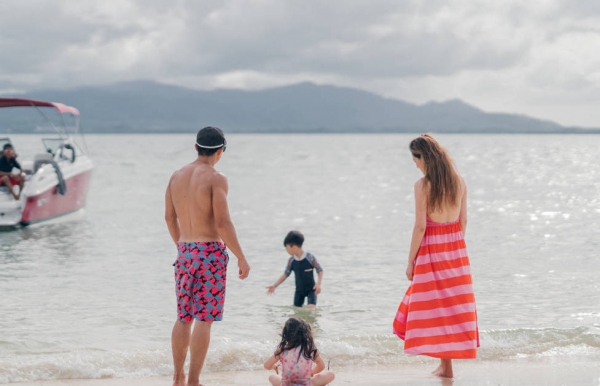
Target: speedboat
{"points": [[58, 176]]}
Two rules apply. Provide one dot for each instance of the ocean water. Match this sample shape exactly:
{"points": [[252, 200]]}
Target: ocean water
{"points": [[92, 295]]}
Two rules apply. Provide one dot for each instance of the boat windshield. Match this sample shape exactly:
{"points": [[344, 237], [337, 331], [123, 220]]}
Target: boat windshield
{"points": [[52, 145], [4, 141]]}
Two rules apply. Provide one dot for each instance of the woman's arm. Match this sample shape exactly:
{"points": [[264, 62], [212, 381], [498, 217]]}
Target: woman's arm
{"points": [[419, 227], [463, 208], [319, 365]]}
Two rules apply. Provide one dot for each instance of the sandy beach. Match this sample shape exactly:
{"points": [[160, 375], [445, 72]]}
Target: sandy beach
{"points": [[466, 373]]}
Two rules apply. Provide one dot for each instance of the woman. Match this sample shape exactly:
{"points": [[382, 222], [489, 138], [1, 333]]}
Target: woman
{"points": [[437, 316]]}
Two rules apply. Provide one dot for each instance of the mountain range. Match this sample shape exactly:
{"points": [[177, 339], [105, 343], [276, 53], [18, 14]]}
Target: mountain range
{"points": [[150, 107]]}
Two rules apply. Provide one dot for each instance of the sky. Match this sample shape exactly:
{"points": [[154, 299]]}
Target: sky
{"points": [[538, 57]]}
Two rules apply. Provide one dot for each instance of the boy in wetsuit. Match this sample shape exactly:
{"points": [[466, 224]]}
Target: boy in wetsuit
{"points": [[303, 264]]}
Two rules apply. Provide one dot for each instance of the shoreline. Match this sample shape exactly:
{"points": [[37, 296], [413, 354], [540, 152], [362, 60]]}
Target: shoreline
{"points": [[515, 372]]}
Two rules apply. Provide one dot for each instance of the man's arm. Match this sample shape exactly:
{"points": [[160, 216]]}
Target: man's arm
{"points": [[271, 288], [224, 224], [171, 215], [17, 164]]}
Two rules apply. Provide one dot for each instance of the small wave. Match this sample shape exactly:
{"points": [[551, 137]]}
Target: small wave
{"points": [[525, 342], [84, 365], [351, 350]]}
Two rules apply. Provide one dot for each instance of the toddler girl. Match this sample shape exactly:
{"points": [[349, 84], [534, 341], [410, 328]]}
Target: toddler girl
{"points": [[297, 352]]}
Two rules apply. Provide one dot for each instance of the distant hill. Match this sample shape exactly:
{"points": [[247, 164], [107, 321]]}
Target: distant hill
{"points": [[144, 106]]}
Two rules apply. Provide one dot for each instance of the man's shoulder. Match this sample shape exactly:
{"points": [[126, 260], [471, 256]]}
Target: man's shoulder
{"points": [[192, 171], [218, 176]]}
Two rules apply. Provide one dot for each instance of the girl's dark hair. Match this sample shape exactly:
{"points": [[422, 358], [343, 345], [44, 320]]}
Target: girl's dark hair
{"points": [[297, 332], [444, 182]]}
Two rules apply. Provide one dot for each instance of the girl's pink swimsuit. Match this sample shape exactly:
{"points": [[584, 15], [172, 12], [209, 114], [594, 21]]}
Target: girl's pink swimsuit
{"points": [[296, 370]]}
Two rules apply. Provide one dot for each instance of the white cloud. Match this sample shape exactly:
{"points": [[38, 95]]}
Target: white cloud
{"points": [[540, 57]]}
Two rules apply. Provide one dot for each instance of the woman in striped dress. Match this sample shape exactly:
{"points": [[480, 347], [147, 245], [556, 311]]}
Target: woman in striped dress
{"points": [[437, 315]]}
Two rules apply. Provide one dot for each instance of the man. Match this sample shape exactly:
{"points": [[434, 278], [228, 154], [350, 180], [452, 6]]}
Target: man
{"points": [[8, 162], [197, 215]]}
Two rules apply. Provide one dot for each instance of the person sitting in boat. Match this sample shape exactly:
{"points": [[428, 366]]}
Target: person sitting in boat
{"points": [[8, 161]]}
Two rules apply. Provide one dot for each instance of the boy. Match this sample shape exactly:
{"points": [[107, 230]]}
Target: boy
{"points": [[303, 265]]}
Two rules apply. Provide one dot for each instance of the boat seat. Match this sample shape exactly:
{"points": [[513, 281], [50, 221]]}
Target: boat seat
{"points": [[41, 159]]}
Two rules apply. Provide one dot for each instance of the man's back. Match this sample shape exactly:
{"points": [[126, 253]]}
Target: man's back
{"points": [[198, 219], [191, 190]]}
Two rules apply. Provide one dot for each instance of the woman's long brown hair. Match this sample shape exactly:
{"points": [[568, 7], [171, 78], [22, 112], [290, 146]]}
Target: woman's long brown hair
{"points": [[444, 182]]}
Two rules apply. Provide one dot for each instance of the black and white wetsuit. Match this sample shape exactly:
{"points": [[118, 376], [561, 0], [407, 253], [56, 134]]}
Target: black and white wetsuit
{"points": [[303, 268]]}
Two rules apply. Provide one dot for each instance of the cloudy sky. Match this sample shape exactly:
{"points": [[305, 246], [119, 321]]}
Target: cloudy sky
{"points": [[535, 57]]}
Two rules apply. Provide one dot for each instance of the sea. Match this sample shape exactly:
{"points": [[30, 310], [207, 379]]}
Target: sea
{"points": [[91, 295]]}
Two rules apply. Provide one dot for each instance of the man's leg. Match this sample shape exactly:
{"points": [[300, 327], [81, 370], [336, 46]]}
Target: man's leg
{"points": [[21, 180], [9, 185], [180, 341], [198, 349]]}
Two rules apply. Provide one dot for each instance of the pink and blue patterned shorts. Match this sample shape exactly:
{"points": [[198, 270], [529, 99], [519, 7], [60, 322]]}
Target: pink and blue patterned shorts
{"points": [[200, 275]]}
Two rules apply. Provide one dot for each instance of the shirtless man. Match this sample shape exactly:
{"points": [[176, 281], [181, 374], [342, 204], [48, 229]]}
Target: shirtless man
{"points": [[198, 219]]}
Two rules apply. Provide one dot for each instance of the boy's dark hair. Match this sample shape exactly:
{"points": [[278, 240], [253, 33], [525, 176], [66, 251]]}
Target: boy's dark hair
{"points": [[6, 146], [209, 140], [294, 238], [297, 332]]}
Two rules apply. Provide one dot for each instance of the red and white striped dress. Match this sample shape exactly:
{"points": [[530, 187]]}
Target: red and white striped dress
{"points": [[437, 316]]}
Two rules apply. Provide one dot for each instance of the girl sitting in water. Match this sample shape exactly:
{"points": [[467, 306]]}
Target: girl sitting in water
{"points": [[296, 353]]}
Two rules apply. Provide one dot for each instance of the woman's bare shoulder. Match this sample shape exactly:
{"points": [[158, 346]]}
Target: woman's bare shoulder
{"points": [[463, 184], [421, 185]]}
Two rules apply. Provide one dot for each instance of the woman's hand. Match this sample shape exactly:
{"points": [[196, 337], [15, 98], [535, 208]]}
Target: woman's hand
{"points": [[409, 270]]}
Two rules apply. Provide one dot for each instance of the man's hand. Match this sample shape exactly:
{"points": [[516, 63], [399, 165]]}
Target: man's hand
{"points": [[271, 289], [317, 288], [244, 268]]}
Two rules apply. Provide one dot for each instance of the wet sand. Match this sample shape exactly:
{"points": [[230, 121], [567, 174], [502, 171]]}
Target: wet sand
{"points": [[559, 371]]}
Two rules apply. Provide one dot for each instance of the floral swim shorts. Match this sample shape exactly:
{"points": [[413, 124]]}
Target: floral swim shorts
{"points": [[200, 275]]}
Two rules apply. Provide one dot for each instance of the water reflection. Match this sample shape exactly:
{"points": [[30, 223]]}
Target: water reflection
{"points": [[279, 314], [309, 315], [62, 240]]}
